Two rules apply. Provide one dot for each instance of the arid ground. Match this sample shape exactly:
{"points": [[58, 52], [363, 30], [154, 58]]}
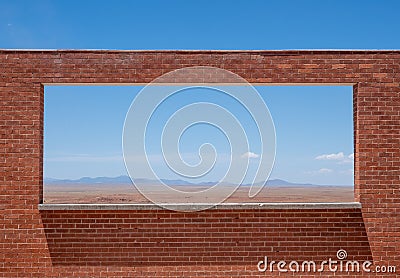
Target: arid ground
{"points": [[124, 193]]}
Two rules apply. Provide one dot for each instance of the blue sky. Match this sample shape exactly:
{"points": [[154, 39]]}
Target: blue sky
{"points": [[87, 141], [363, 24], [314, 131]]}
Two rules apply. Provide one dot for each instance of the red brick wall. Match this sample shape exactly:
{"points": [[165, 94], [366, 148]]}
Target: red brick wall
{"points": [[221, 236], [31, 241]]}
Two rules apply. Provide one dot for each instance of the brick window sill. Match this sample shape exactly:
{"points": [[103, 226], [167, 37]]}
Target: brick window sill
{"points": [[230, 206]]}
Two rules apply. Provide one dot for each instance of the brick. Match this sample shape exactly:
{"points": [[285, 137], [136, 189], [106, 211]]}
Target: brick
{"points": [[214, 243]]}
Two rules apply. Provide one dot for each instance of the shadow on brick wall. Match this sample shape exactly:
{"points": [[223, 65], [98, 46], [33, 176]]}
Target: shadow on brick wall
{"points": [[213, 237]]}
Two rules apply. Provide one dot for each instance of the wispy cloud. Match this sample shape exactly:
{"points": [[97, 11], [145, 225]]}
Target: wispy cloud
{"points": [[347, 172], [332, 156], [250, 155], [324, 171], [84, 158]]}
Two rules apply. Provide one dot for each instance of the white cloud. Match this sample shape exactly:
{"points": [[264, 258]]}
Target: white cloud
{"points": [[9, 24], [332, 156], [324, 171], [250, 155], [340, 157]]}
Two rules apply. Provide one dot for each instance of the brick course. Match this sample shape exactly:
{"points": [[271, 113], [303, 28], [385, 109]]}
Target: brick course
{"points": [[58, 243]]}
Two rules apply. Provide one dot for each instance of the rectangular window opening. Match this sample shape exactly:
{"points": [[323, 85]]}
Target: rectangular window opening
{"points": [[84, 159]]}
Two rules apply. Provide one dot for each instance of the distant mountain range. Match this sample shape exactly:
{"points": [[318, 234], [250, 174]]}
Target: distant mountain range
{"points": [[126, 180]]}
